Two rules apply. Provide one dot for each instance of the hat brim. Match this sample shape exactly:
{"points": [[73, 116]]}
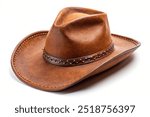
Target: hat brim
{"points": [[30, 67]]}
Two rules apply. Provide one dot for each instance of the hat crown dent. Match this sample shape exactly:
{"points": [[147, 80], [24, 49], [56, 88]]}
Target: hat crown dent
{"points": [[78, 32]]}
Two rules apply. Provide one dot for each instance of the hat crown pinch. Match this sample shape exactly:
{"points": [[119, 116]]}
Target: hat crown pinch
{"points": [[78, 32]]}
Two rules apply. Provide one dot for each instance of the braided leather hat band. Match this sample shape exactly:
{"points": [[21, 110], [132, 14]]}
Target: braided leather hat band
{"points": [[79, 60]]}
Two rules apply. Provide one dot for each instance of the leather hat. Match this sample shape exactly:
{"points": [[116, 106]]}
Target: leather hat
{"points": [[78, 46]]}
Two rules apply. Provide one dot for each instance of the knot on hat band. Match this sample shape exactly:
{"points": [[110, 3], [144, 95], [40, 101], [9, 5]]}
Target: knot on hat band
{"points": [[79, 60]]}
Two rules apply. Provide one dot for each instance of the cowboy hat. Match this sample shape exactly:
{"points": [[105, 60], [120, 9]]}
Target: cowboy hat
{"points": [[78, 45]]}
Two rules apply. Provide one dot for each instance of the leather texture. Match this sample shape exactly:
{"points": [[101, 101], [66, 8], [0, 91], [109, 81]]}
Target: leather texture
{"points": [[76, 32]]}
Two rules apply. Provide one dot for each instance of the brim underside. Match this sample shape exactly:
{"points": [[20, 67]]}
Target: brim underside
{"points": [[30, 67]]}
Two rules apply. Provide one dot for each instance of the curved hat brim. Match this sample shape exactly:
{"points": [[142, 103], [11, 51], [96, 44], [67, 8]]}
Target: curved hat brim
{"points": [[30, 67]]}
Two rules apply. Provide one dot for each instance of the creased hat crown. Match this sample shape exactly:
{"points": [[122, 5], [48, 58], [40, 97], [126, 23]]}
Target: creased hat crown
{"points": [[78, 32]]}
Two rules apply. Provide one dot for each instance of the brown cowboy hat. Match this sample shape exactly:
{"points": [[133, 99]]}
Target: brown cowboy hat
{"points": [[79, 45]]}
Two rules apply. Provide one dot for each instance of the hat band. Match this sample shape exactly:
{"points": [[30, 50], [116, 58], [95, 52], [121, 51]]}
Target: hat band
{"points": [[78, 60]]}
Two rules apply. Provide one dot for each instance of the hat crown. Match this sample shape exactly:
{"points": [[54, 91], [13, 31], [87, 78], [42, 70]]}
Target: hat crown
{"points": [[78, 32]]}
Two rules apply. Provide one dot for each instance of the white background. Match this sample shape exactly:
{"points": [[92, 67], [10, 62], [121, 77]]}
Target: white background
{"points": [[127, 83]]}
